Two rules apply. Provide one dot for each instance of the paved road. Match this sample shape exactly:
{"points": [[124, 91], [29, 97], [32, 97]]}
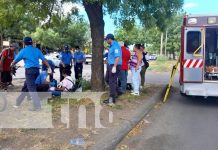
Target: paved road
{"points": [[181, 124], [151, 77]]}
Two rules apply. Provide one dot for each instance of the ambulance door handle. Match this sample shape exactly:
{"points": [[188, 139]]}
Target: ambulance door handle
{"points": [[201, 46]]}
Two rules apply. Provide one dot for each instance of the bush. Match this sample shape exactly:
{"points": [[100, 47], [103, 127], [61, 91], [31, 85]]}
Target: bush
{"points": [[86, 85]]}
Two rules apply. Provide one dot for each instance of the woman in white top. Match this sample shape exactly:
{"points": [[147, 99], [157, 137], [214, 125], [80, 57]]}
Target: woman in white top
{"points": [[135, 66], [66, 85]]}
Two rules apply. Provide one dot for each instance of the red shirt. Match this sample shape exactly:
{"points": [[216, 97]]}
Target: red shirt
{"points": [[125, 58], [8, 55]]}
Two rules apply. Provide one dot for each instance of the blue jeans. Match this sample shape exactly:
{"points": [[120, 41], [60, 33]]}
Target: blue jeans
{"points": [[136, 79], [29, 88], [123, 80], [56, 93]]}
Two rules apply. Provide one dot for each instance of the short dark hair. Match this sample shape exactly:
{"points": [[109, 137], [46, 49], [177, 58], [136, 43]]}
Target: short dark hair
{"points": [[38, 46], [66, 71], [77, 47], [138, 46], [126, 44], [142, 45]]}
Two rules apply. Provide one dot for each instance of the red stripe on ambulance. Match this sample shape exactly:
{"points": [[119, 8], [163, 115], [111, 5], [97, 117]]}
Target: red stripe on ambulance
{"points": [[193, 63]]}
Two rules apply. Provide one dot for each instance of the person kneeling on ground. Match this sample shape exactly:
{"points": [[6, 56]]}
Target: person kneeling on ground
{"points": [[42, 81], [66, 85]]}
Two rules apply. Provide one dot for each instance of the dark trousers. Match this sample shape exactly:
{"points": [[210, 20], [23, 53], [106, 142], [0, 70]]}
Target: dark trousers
{"points": [[142, 74], [61, 68], [107, 75], [42, 88], [29, 88], [113, 81], [78, 68]]}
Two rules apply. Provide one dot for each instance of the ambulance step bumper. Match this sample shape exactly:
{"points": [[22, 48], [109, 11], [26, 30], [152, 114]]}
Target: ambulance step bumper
{"points": [[200, 89]]}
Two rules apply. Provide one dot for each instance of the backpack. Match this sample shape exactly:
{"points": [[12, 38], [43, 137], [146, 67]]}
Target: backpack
{"points": [[146, 64], [73, 88]]}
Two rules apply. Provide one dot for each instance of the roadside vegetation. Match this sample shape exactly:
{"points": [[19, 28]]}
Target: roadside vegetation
{"points": [[162, 64]]}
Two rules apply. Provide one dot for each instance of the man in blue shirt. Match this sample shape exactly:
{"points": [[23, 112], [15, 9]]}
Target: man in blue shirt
{"points": [[42, 81], [52, 66], [114, 67], [66, 61], [31, 57], [78, 58]]}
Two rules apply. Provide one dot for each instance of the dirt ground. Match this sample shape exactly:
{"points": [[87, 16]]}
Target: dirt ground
{"points": [[60, 135]]}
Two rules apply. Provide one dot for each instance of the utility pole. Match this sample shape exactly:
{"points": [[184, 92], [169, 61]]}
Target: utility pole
{"points": [[161, 44]]}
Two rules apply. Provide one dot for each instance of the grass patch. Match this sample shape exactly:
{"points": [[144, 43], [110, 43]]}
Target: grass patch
{"points": [[56, 102], [86, 85], [162, 64], [117, 106]]}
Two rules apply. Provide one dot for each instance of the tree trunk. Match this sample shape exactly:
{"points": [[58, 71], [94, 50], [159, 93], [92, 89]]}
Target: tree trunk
{"points": [[161, 44], [165, 51], [94, 11], [174, 55]]}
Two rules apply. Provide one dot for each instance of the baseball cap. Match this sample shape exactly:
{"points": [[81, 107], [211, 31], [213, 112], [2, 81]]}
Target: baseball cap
{"points": [[109, 36], [66, 47], [28, 40]]}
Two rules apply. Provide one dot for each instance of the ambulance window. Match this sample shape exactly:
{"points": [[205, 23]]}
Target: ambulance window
{"points": [[193, 41]]}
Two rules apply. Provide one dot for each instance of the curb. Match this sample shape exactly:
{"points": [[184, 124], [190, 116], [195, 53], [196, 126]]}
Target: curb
{"points": [[116, 134]]}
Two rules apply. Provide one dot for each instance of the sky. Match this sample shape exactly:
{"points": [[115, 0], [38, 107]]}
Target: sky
{"points": [[190, 6]]}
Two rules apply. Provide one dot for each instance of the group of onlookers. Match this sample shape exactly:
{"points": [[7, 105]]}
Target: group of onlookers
{"points": [[119, 61]]}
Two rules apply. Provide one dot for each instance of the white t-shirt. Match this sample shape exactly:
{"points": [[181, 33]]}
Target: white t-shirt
{"points": [[67, 83]]}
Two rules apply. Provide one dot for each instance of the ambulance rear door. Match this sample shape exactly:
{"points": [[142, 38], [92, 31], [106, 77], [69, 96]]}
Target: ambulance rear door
{"points": [[193, 61]]}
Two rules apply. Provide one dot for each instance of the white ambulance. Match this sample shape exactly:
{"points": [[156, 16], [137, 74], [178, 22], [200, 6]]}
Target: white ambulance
{"points": [[199, 55]]}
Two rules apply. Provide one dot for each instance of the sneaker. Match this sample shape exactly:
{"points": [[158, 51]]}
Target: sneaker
{"points": [[35, 109], [111, 104], [106, 101], [135, 93], [15, 106], [109, 101]]}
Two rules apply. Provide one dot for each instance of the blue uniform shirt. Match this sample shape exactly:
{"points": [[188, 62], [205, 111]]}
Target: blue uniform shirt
{"points": [[79, 56], [66, 57], [41, 78], [114, 52], [31, 57]]}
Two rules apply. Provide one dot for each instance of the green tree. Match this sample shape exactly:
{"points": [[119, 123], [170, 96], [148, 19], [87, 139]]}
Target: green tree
{"points": [[131, 36], [74, 33], [125, 12], [174, 34]]}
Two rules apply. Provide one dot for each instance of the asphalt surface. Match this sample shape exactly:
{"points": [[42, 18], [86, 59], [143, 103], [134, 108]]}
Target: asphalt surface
{"points": [[151, 77], [183, 123]]}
